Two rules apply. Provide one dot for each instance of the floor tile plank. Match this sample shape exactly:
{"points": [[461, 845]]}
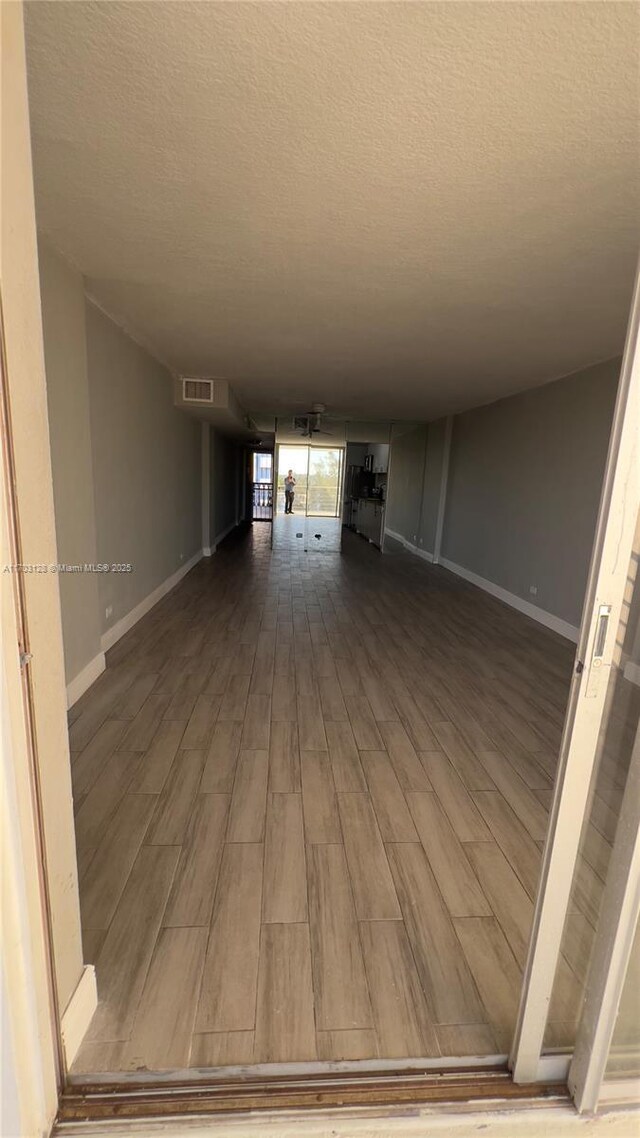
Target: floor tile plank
{"points": [[363, 724], [234, 700], [389, 803], [102, 801], [283, 699], [522, 801], [255, 732], [373, 890], [201, 723], [221, 1049], [401, 1016], [516, 843], [320, 805], [128, 947], [143, 727], [342, 999], [311, 731], [191, 900], [157, 760], [333, 706], [470, 769], [249, 799], [175, 803], [285, 1028], [342, 1046], [454, 797], [284, 758], [106, 876], [409, 770], [87, 765], [458, 884], [229, 981], [466, 1039], [495, 971], [345, 759], [284, 897], [444, 974], [219, 771], [161, 1036]]}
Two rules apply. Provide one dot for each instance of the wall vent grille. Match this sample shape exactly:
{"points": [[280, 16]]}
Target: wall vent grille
{"points": [[197, 390]]}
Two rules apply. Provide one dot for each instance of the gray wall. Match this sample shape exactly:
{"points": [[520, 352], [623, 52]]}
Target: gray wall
{"points": [[524, 487], [147, 468], [126, 463], [225, 470], [65, 349]]}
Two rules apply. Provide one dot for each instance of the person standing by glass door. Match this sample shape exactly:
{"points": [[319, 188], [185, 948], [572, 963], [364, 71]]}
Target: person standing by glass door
{"points": [[289, 492]]}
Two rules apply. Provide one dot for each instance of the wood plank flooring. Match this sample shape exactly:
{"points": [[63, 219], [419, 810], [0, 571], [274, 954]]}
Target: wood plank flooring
{"points": [[310, 792]]}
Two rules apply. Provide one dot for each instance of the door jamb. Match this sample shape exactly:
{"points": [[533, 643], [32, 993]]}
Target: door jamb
{"points": [[37, 865]]}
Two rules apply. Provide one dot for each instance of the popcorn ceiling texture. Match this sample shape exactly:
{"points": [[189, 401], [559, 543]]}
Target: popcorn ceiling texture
{"points": [[409, 207]]}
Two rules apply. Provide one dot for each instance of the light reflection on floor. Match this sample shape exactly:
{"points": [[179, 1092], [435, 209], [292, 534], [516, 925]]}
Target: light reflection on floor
{"points": [[311, 535]]}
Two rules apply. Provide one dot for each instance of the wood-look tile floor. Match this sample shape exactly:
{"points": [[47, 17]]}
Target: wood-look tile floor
{"points": [[310, 795]]}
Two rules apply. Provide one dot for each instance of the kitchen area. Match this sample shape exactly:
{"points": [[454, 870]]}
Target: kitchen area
{"points": [[365, 489]]}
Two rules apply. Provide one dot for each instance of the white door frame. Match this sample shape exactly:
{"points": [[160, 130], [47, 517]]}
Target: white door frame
{"points": [[612, 949], [619, 504], [620, 498]]}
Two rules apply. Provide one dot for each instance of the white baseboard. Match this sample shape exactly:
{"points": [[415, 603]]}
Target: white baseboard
{"points": [[562, 627], [113, 634], [78, 1012], [424, 553], [632, 672], [83, 681]]}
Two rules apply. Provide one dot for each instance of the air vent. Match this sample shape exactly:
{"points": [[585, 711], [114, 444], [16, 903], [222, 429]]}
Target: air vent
{"points": [[301, 423], [197, 390]]}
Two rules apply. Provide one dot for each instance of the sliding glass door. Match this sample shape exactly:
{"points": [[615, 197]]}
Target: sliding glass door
{"points": [[315, 523], [324, 482], [587, 907]]}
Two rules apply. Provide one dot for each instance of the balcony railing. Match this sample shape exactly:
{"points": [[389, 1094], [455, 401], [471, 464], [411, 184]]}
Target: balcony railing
{"points": [[262, 501]]}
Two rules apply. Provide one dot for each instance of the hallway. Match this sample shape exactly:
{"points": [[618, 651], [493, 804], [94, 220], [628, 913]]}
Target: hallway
{"points": [[310, 796]]}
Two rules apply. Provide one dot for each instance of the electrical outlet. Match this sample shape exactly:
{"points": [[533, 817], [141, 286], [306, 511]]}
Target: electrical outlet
{"points": [[533, 589], [108, 612], [182, 556]]}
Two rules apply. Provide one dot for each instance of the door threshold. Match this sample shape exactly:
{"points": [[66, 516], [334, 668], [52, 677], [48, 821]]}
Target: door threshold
{"points": [[435, 1065], [223, 1091]]}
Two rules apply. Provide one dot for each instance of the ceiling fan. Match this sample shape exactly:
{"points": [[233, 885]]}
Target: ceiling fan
{"points": [[309, 423]]}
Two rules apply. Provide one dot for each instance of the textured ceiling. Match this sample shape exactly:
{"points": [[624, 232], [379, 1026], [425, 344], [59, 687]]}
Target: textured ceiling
{"points": [[396, 208]]}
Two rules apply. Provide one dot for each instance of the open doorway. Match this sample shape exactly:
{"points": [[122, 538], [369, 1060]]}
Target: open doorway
{"points": [[310, 795], [308, 515], [262, 486]]}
